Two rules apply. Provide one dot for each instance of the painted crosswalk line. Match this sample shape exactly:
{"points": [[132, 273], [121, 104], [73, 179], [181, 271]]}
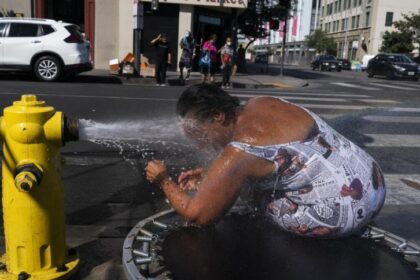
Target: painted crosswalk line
{"points": [[394, 87], [335, 94], [287, 97], [379, 101], [393, 140], [404, 109], [355, 86], [392, 119]]}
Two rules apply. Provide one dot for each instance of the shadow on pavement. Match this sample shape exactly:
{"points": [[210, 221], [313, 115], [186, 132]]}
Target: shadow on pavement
{"points": [[91, 79]]}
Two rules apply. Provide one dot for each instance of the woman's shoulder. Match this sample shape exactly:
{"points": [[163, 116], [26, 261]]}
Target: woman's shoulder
{"points": [[258, 123]]}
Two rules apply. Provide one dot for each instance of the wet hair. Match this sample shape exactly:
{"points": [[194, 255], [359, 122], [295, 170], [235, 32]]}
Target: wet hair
{"points": [[206, 100]]}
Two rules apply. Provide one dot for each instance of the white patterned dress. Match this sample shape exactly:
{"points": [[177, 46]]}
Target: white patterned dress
{"points": [[324, 186]]}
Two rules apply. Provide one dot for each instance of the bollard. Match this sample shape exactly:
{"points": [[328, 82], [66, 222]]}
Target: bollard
{"points": [[33, 196]]}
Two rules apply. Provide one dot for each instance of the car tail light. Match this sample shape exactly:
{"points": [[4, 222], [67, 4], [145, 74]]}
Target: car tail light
{"points": [[74, 38]]}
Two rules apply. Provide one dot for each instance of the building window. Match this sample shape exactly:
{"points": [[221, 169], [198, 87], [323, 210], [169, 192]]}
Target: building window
{"points": [[358, 21], [343, 24], [353, 22], [322, 11], [344, 4], [360, 2], [388, 19], [335, 7], [348, 4], [354, 3], [367, 22], [339, 5]]}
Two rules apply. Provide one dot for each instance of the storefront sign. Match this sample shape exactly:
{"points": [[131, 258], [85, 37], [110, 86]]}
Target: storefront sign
{"points": [[240, 4]]}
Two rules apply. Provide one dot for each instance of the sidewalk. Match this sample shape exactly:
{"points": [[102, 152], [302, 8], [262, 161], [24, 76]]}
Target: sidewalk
{"points": [[257, 76]]}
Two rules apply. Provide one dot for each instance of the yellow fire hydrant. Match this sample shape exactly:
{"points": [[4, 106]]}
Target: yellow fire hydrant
{"points": [[33, 195]]}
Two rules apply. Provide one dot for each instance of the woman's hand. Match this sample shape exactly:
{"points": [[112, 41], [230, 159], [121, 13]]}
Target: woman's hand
{"points": [[189, 180], [156, 171]]}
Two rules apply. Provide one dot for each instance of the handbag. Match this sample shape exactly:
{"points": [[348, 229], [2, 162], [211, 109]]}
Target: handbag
{"points": [[205, 60]]}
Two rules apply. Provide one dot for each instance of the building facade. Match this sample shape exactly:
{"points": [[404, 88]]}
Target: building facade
{"points": [[300, 24], [108, 24], [357, 26]]}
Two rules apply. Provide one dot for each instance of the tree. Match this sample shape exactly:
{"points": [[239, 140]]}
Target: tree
{"points": [[410, 24], [320, 41], [251, 22], [408, 32], [397, 42]]}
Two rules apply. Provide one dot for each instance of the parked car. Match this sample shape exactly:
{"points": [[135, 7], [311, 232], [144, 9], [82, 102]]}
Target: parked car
{"points": [[48, 48], [326, 62], [393, 66], [344, 63], [261, 58], [365, 61]]}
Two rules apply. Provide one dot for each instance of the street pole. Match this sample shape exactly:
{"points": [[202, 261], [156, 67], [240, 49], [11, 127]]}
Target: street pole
{"points": [[316, 15], [138, 23], [283, 50]]}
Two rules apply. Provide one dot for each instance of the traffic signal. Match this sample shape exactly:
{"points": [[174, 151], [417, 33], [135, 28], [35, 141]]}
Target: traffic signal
{"points": [[155, 5], [274, 24]]}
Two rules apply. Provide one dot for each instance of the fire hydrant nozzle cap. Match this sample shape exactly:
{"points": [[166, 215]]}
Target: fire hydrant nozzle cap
{"points": [[27, 176]]}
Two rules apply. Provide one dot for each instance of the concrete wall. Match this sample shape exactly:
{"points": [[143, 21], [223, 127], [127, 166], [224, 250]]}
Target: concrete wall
{"points": [[186, 14], [113, 31], [125, 28], [381, 7], [20, 6]]}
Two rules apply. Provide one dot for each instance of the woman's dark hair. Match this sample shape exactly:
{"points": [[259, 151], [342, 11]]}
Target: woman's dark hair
{"points": [[213, 37], [205, 100]]}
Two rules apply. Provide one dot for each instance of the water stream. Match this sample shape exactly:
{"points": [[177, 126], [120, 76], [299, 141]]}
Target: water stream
{"points": [[144, 139]]}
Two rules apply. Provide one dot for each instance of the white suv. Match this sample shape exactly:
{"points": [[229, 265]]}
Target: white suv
{"points": [[49, 48]]}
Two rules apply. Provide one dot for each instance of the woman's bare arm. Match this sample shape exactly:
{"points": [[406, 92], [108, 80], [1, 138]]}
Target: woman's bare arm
{"points": [[219, 188]]}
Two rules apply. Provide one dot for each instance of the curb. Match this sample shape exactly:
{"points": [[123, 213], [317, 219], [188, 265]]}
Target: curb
{"points": [[177, 82]]}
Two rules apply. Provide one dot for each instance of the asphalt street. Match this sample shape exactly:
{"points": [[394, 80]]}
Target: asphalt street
{"points": [[106, 193]]}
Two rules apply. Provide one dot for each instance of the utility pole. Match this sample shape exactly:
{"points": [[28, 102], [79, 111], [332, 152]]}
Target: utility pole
{"points": [[283, 49], [138, 23], [316, 14]]}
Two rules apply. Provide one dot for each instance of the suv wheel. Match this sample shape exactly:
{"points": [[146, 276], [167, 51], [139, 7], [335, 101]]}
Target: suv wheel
{"points": [[370, 73], [47, 69]]}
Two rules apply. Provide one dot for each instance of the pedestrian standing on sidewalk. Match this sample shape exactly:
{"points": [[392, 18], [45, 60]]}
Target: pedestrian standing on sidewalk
{"points": [[187, 45], [226, 56], [208, 59], [162, 59], [240, 63]]}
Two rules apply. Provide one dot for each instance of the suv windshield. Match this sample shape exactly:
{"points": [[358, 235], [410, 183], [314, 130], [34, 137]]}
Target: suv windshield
{"points": [[399, 58]]}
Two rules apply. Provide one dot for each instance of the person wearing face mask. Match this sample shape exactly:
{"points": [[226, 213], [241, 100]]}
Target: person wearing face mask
{"points": [[187, 45], [226, 55], [208, 61]]}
